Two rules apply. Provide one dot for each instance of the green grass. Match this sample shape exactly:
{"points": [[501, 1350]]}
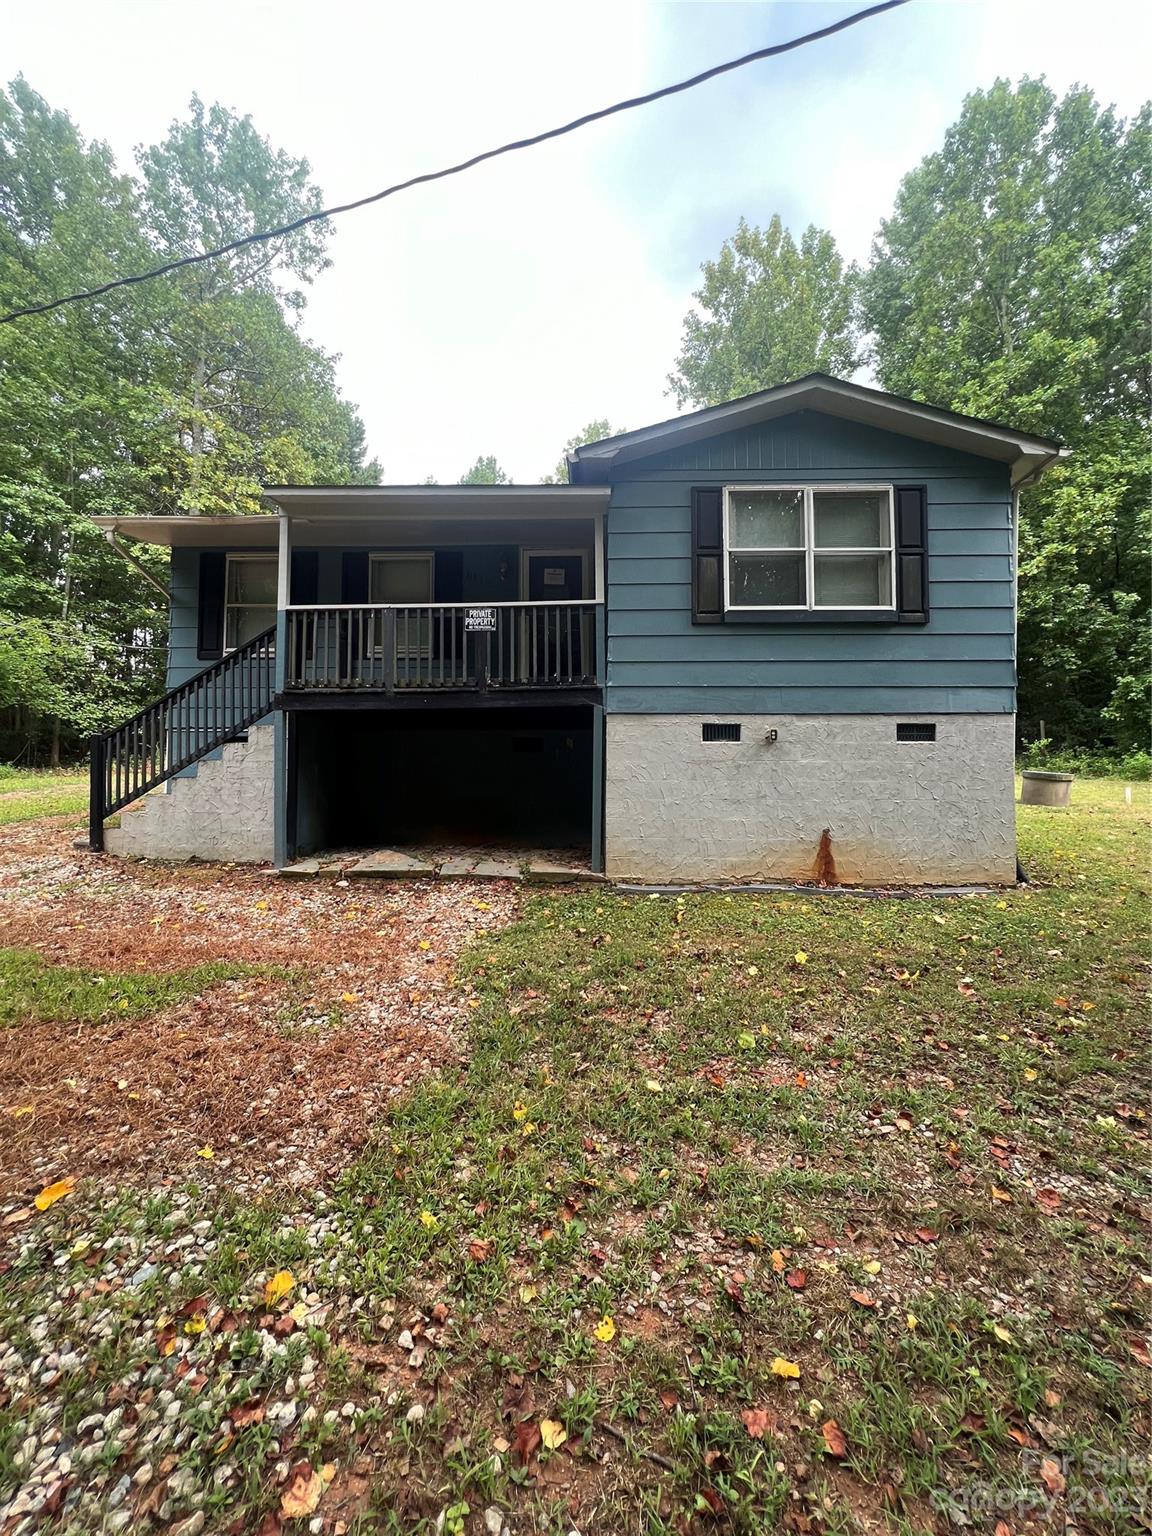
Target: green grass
{"points": [[667, 1106], [27, 795], [31, 989]]}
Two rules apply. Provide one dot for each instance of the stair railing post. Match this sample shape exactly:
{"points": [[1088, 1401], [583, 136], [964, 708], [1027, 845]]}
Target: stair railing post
{"points": [[96, 763]]}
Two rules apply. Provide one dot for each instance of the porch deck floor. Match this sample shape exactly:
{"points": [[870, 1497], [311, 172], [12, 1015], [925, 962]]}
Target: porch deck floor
{"points": [[447, 862]]}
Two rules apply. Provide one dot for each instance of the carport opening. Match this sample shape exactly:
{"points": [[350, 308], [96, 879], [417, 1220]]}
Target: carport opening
{"points": [[473, 779]]}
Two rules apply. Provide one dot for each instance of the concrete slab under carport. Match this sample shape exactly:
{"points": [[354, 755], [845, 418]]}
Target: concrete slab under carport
{"points": [[539, 866]]}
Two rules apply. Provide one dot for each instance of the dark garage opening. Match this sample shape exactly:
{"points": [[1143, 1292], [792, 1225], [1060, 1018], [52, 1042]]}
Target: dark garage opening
{"points": [[415, 778]]}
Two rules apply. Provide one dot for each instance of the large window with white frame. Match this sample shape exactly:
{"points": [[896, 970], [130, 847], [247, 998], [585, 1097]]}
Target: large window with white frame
{"points": [[249, 598], [405, 580], [809, 547]]}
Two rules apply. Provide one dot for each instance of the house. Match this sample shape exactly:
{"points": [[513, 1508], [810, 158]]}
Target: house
{"points": [[770, 639]]}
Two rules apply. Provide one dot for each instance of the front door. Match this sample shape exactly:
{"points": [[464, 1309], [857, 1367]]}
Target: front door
{"points": [[555, 639]]}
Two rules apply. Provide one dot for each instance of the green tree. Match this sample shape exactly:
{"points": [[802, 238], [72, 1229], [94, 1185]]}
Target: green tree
{"points": [[485, 471], [592, 433], [769, 310], [1012, 281]]}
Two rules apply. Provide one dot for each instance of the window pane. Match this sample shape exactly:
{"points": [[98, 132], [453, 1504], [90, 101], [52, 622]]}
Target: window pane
{"points": [[401, 581], [766, 519], [853, 581], [850, 520], [252, 581], [245, 624], [766, 581]]}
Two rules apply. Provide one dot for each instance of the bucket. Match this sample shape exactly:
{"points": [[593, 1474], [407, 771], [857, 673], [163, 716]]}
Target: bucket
{"points": [[1039, 787]]}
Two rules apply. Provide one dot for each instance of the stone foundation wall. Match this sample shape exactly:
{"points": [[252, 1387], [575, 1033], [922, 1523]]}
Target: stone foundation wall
{"points": [[678, 808], [224, 811]]}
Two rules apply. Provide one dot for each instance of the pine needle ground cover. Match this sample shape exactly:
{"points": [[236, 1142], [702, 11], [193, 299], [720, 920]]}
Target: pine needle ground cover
{"points": [[793, 1212]]}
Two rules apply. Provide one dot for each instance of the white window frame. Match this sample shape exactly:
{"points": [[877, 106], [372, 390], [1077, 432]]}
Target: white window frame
{"points": [[809, 550], [245, 558], [423, 648]]}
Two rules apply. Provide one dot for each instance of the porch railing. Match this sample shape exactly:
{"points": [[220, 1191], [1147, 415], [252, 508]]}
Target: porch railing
{"points": [[192, 720], [427, 646]]}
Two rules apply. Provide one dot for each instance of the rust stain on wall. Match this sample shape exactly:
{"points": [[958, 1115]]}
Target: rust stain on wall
{"points": [[824, 869]]}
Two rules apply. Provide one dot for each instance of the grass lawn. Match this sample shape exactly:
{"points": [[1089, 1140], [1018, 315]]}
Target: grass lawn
{"points": [[740, 1214], [28, 795]]}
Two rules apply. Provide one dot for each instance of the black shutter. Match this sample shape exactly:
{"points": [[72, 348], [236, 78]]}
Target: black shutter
{"points": [[448, 576], [912, 554], [305, 576], [210, 605], [707, 554], [354, 576]]}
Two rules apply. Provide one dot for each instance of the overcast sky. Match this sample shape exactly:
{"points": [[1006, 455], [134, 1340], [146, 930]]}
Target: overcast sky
{"points": [[500, 311]]}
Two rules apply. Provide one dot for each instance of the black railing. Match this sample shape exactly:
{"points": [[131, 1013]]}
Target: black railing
{"points": [[179, 729], [430, 646]]}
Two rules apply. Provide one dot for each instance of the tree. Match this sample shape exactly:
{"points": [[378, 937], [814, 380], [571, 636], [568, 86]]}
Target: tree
{"points": [[592, 433], [170, 396], [1012, 282], [771, 311], [485, 471]]}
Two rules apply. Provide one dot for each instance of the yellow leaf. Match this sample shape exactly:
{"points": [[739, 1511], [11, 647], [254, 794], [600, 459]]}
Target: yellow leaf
{"points": [[528, 1293], [786, 1368], [20, 1110], [1030, 1074], [54, 1192], [328, 1471], [519, 1110], [605, 1329], [206, 1152], [653, 1086], [195, 1325], [349, 997], [261, 906], [1000, 1194], [424, 944], [801, 957], [552, 1434], [299, 1312], [1001, 1333], [428, 1220], [753, 970], [913, 1322], [872, 1267], [482, 906], [278, 1287], [779, 1262], [302, 1495]]}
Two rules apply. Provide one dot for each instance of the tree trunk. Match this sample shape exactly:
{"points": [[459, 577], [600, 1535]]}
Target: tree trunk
{"points": [[54, 748]]}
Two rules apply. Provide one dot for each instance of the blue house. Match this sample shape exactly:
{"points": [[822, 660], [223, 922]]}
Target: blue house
{"points": [[770, 639]]}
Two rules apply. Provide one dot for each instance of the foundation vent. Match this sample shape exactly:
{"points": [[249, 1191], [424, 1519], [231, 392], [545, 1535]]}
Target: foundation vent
{"points": [[915, 730], [720, 732]]}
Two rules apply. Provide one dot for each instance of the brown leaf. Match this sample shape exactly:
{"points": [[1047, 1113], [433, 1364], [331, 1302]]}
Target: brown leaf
{"points": [[1051, 1476], [713, 1500], [735, 1293], [796, 1279], [972, 1422], [759, 1422], [862, 1298], [1021, 1436], [480, 1249], [526, 1442], [1138, 1349], [834, 1439], [248, 1413], [304, 1492], [1048, 1199], [926, 1235], [1002, 1528]]}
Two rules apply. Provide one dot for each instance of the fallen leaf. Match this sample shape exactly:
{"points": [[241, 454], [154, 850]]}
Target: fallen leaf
{"points": [[1048, 1199], [552, 1434], [872, 1267], [926, 1235], [278, 1287], [834, 1439], [1001, 1333], [205, 1152], [54, 1192], [779, 1263], [758, 1422], [605, 1329], [788, 1369], [303, 1494], [527, 1442], [862, 1298], [1000, 1194], [653, 1086], [913, 1322], [528, 1293], [248, 1413], [796, 1279], [1051, 1475], [428, 1220], [481, 1249], [801, 957]]}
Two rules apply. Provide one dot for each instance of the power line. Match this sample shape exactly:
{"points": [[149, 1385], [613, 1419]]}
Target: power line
{"points": [[462, 165]]}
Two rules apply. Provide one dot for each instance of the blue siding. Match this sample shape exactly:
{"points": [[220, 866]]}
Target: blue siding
{"points": [[183, 662], [963, 659]]}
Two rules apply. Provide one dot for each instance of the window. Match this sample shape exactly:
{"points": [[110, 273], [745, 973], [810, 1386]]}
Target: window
{"points": [[404, 581], [809, 547], [249, 598]]}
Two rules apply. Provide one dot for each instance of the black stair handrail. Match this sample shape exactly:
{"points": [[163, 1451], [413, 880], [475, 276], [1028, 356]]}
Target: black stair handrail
{"points": [[211, 708]]}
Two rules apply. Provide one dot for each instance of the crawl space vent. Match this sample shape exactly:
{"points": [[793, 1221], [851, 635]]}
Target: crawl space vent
{"points": [[915, 730], [724, 732]]}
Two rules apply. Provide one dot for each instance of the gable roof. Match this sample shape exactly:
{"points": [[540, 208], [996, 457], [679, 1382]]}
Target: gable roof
{"points": [[1027, 454]]}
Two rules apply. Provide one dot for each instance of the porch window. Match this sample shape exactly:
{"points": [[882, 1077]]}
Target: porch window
{"points": [[249, 598], [401, 581], [809, 547]]}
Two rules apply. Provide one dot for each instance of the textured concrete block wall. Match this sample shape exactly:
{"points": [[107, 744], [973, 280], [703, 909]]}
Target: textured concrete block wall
{"points": [[678, 808], [224, 811]]}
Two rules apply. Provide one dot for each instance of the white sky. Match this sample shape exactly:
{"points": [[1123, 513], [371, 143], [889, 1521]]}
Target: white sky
{"points": [[500, 311]]}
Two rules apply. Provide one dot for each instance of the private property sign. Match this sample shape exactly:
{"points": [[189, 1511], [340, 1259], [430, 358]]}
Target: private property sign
{"points": [[477, 620]]}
